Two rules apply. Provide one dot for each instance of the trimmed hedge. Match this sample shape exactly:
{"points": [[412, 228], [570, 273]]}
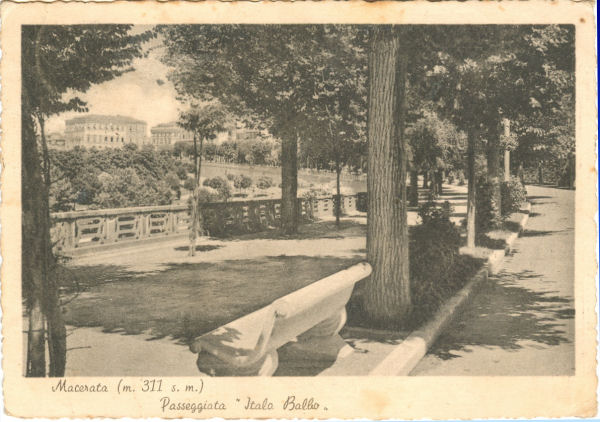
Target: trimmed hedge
{"points": [[487, 218], [513, 195], [434, 249]]}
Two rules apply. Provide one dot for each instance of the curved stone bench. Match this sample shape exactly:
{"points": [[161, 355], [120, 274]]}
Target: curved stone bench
{"points": [[310, 317]]}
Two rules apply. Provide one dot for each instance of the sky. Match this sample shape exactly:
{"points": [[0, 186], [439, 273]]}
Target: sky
{"points": [[137, 94]]}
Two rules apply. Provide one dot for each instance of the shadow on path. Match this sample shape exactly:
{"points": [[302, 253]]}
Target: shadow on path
{"points": [[503, 315], [199, 248], [314, 230], [537, 233]]}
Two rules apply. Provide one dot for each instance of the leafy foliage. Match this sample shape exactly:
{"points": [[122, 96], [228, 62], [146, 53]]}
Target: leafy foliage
{"points": [[264, 182], [182, 172], [124, 187], [514, 195], [435, 143], [220, 185], [189, 184], [242, 182], [301, 82], [112, 178], [205, 120], [434, 245], [59, 59]]}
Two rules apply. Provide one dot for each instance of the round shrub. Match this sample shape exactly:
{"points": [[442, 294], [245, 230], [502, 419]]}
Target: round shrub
{"points": [[434, 248], [181, 172], [189, 167], [264, 182], [242, 182], [220, 185], [513, 195], [189, 183], [207, 195]]}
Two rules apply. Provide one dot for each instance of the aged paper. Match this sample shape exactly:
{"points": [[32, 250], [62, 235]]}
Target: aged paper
{"points": [[106, 372]]}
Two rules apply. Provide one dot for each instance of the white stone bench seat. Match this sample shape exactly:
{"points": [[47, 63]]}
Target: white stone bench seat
{"points": [[248, 345]]}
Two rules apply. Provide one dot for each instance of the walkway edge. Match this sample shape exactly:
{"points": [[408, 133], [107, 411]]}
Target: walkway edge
{"points": [[405, 357]]}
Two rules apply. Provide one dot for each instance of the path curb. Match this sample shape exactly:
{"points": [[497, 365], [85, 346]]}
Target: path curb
{"points": [[405, 357]]}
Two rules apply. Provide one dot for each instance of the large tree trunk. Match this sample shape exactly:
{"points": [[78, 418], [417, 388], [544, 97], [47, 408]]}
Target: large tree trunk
{"points": [[338, 201], [33, 251], [196, 217], [493, 177], [36, 342], [425, 179], [471, 184], [506, 152], [541, 172], [387, 299], [289, 184], [414, 189], [507, 165], [56, 331]]}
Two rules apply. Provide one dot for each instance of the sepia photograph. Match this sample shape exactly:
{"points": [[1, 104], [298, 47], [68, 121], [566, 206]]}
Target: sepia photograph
{"points": [[313, 200]]}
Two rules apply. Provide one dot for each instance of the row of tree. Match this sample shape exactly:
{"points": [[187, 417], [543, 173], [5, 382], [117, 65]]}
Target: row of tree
{"points": [[113, 177], [251, 151], [323, 90], [326, 89]]}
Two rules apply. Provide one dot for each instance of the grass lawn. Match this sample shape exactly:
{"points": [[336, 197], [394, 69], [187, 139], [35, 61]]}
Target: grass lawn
{"points": [[186, 300]]}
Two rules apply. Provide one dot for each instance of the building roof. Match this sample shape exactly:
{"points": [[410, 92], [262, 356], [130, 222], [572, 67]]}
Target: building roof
{"points": [[97, 118], [166, 126]]}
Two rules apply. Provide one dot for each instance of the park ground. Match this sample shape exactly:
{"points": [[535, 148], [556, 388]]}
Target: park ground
{"points": [[141, 306]]}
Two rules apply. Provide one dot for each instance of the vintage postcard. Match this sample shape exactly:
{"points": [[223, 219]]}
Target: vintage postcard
{"points": [[299, 210]]}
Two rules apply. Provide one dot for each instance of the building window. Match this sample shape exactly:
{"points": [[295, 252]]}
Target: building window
{"points": [[105, 139]]}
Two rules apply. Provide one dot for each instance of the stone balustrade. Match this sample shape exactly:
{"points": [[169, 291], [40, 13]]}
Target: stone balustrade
{"points": [[81, 229], [75, 230]]}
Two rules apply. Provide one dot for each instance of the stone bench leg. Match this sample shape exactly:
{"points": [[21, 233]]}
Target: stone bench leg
{"points": [[320, 343], [213, 366]]}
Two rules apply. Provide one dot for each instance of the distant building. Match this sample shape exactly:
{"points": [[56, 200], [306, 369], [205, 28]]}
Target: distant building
{"points": [[104, 131], [169, 134]]}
